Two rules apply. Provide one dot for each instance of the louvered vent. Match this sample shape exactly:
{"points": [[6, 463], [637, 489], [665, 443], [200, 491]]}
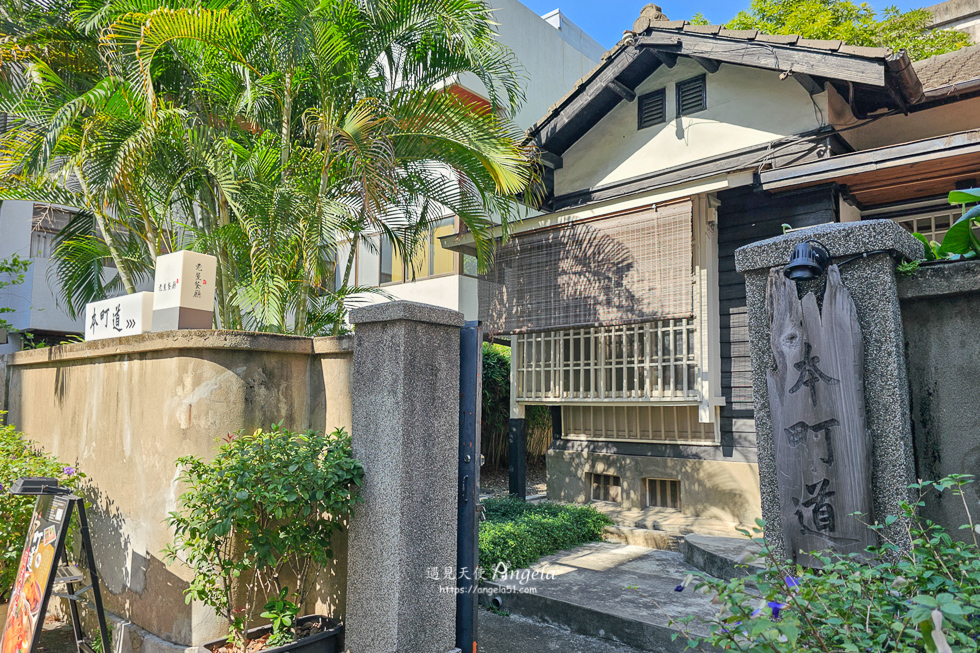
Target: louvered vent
{"points": [[652, 108], [691, 96]]}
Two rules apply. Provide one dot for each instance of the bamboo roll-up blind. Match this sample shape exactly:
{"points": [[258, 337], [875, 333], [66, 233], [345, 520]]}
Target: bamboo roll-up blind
{"points": [[624, 268]]}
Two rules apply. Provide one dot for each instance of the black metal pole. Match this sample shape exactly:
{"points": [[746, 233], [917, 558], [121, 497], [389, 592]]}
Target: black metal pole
{"points": [[93, 575], [467, 537], [517, 457]]}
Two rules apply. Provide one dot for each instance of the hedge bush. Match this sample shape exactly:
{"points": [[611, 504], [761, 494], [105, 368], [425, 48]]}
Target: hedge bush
{"points": [[518, 534], [19, 458]]}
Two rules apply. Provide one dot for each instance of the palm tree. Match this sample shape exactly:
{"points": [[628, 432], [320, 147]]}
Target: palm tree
{"points": [[263, 132]]}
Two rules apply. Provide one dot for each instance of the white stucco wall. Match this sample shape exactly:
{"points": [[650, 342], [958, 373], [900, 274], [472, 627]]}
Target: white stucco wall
{"points": [[745, 107], [451, 291], [552, 61]]}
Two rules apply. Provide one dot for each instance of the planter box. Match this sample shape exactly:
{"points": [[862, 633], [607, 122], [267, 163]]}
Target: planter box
{"points": [[330, 640]]}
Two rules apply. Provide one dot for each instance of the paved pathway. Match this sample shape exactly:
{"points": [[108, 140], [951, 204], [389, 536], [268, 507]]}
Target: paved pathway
{"points": [[514, 634]]}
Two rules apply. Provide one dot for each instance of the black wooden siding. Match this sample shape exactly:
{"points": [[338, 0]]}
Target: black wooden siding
{"points": [[744, 217]]}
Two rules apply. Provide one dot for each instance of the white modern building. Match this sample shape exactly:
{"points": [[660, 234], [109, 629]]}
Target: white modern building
{"points": [[554, 53]]}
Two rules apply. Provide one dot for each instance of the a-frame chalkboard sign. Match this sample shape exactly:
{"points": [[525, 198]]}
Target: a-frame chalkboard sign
{"points": [[43, 566]]}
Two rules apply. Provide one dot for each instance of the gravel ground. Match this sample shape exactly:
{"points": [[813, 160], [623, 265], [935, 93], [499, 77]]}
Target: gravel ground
{"points": [[495, 482], [514, 634]]}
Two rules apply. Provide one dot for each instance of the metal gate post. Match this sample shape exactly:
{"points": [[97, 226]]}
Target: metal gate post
{"points": [[467, 538]]}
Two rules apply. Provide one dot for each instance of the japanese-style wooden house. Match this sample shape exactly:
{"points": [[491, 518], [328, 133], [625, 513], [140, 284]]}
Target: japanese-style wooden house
{"points": [[621, 299]]}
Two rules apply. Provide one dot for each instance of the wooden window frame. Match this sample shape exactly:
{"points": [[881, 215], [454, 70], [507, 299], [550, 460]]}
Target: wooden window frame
{"points": [[662, 92], [654, 488], [702, 80]]}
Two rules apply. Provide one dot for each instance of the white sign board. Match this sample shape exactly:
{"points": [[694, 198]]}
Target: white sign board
{"points": [[120, 316], [184, 280]]}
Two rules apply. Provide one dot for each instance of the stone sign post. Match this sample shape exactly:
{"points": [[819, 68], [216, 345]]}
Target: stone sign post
{"points": [[183, 291], [829, 387]]}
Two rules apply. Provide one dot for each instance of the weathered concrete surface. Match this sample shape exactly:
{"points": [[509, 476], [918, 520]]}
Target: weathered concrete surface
{"points": [[516, 634], [123, 410], [647, 537], [611, 591], [710, 490], [940, 305], [721, 557], [405, 392], [873, 287]]}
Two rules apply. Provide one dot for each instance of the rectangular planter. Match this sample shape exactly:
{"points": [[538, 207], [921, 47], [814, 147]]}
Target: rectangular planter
{"points": [[330, 640]]}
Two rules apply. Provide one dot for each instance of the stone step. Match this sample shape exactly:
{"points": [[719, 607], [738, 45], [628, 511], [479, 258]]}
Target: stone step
{"points": [[721, 557], [667, 520], [651, 539], [621, 593]]}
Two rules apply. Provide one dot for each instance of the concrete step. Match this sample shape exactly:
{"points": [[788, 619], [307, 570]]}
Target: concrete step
{"points": [[621, 593], [722, 557], [651, 539], [667, 520]]}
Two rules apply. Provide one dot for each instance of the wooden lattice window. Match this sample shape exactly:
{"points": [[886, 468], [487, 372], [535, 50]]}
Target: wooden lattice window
{"points": [[632, 362], [931, 225], [606, 487], [663, 493], [664, 424]]}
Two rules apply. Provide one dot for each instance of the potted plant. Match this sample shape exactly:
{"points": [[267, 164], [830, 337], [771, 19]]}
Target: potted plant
{"points": [[255, 525]]}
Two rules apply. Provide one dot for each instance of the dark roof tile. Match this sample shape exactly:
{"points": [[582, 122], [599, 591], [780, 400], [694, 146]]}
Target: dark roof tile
{"points": [[820, 44], [782, 39], [861, 51], [745, 34], [702, 29], [949, 69]]}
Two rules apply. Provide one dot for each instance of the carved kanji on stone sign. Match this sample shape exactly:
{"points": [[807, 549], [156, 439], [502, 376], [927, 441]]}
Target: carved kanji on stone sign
{"points": [[816, 395]]}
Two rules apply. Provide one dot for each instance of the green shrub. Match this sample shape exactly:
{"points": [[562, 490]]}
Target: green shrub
{"points": [[256, 522], [926, 598], [517, 533], [19, 458], [495, 416]]}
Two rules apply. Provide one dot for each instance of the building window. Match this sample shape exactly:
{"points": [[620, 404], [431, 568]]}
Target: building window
{"points": [[663, 493], [429, 259], [933, 225], [606, 487], [691, 95], [652, 108], [632, 362], [661, 424]]}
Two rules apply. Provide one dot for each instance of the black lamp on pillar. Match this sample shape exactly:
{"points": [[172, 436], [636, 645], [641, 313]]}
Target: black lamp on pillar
{"points": [[809, 260]]}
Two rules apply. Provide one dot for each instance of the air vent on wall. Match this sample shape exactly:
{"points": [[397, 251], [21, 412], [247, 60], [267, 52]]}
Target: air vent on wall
{"points": [[652, 108], [691, 96]]}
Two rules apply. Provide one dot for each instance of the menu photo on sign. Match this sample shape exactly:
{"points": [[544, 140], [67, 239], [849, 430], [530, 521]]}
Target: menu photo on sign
{"points": [[35, 575], [120, 316]]}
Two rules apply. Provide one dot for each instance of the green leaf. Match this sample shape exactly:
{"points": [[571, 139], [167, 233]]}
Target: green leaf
{"points": [[960, 239], [964, 196], [930, 253]]}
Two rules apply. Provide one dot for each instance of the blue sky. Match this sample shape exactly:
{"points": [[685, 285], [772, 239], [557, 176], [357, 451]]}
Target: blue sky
{"points": [[605, 20]]}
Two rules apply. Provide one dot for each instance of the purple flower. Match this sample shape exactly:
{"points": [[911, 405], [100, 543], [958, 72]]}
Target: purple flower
{"points": [[792, 583], [69, 471], [687, 581], [776, 607], [679, 588]]}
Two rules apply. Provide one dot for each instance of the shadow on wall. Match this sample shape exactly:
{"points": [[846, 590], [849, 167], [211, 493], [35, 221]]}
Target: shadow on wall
{"points": [[137, 584]]}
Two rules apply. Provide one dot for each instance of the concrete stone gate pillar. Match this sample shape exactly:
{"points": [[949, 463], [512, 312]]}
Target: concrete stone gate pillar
{"points": [[405, 392], [871, 281]]}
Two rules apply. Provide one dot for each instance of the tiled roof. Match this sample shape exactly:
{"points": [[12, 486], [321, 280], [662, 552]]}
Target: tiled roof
{"points": [[949, 70], [651, 22]]}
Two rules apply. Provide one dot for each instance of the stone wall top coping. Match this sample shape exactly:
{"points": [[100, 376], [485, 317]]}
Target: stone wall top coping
{"points": [[936, 280], [841, 239], [182, 341], [406, 311]]}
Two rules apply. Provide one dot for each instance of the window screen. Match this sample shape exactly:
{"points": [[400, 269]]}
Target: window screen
{"points": [[691, 96], [625, 268], [652, 108]]}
